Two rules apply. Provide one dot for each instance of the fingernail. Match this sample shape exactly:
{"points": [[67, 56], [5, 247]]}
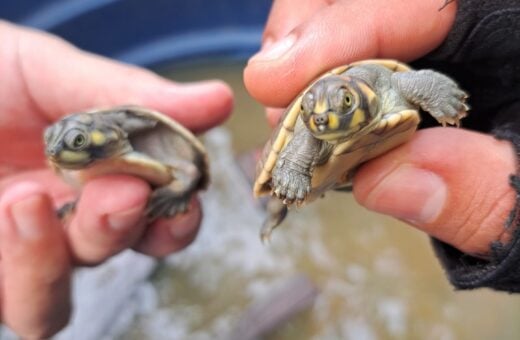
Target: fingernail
{"points": [[275, 50], [409, 193], [186, 223], [27, 217], [125, 219]]}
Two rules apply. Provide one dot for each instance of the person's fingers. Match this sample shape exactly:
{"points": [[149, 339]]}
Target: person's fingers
{"points": [[108, 218], [35, 263], [340, 33], [167, 236], [68, 80], [451, 183], [284, 17], [93, 240], [55, 186], [273, 115]]}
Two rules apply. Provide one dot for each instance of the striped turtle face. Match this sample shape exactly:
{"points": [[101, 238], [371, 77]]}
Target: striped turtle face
{"points": [[336, 107], [80, 139]]}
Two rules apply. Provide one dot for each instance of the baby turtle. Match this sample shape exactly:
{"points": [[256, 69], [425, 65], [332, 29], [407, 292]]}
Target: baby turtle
{"points": [[130, 140], [346, 117]]}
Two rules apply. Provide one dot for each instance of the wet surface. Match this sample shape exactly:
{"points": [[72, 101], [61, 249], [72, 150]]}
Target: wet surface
{"points": [[377, 278]]}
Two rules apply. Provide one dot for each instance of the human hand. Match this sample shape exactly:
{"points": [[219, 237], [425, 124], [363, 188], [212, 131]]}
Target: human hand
{"points": [[451, 183], [43, 79]]}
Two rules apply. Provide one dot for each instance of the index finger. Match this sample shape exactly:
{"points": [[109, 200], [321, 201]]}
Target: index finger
{"points": [[48, 78]]}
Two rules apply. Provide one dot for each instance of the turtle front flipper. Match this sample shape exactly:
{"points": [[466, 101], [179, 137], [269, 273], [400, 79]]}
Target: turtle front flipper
{"points": [[434, 93], [291, 177]]}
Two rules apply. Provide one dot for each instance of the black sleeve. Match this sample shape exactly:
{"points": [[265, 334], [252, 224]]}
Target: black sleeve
{"points": [[482, 52]]}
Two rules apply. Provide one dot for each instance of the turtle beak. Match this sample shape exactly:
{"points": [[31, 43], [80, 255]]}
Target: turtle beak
{"points": [[321, 120], [52, 153], [318, 122]]}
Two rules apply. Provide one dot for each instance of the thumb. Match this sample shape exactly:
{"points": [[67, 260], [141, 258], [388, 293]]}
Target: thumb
{"points": [[452, 184], [35, 285], [338, 33]]}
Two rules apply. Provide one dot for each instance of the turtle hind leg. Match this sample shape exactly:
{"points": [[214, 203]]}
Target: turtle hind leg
{"points": [[165, 202], [434, 93], [276, 213], [170, 200]]}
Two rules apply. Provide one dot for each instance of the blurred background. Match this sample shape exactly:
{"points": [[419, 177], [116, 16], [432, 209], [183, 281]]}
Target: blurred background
{"points": [[371, 277]]}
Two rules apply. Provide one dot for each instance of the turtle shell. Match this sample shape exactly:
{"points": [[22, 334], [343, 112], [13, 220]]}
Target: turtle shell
{"points": [[162, 146], [169, 140], [336, 172]]}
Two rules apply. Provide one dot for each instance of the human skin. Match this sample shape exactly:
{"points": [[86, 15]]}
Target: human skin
{"points": [[44, 78], [451, 183]]}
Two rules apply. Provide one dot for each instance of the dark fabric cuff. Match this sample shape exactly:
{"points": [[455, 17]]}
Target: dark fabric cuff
{"points": [[482, 53], [479, 25], [502, 270]]}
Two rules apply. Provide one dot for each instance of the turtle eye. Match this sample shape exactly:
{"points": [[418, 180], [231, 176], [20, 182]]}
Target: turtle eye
{"points": [[76, 139], [347, 100], [79, 141]]}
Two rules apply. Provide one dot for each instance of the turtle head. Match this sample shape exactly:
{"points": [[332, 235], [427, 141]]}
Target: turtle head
{"points": [[80, 139], [336, 107]]}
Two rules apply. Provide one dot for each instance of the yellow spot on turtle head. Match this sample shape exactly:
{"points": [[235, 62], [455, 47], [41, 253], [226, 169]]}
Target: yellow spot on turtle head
{"points": [[333, 121], [73, 156], [97, 137], [357, 118], [321, 106], [366, 91]]}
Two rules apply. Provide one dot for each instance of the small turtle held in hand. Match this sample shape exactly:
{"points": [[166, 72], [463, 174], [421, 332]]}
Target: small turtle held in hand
{"points": [[130, 140], [349, 115]]}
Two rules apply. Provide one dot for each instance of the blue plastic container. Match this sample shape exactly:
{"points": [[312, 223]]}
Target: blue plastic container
{"points": [[149, 32]]}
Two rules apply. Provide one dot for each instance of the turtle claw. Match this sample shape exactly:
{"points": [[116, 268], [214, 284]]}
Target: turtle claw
{"points": [[456, 122], [445, 120], [289, 185]]}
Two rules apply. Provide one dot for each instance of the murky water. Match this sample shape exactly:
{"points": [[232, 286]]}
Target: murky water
{"points": [[378, 278]]}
